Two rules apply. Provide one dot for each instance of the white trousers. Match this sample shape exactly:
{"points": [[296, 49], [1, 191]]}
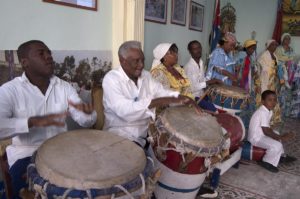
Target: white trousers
{"points": [[274, 149]]}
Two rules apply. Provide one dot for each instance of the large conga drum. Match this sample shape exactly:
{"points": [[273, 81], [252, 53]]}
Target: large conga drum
{"points": [[235, 127], [183, 142], [228, 98], [89, 164]]}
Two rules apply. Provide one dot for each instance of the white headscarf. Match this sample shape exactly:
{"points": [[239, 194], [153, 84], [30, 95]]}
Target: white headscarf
{"points": [[269, 42], [284, 35], [159, 52]]}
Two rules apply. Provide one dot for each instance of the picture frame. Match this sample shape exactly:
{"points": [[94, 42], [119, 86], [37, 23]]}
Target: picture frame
{"points": [[196, 16], [156, 11], [83, 4], [178, 12]]}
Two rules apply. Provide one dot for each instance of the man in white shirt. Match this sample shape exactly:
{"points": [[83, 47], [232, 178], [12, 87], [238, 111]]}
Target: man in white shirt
{"points": [[130, 95], [261, 134], [195, 71], [33, 108]]}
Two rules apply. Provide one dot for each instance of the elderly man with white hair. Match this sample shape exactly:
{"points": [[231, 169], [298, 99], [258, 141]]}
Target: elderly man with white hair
{"points": [[130, 96]]}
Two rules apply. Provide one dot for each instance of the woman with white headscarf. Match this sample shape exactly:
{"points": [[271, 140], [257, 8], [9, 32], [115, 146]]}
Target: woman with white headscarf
{"points": [[267, 64], [166, 70], [286, 71]]}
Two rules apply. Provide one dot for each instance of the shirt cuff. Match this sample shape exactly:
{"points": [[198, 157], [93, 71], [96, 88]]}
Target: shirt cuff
{"points": [[22, 125]]}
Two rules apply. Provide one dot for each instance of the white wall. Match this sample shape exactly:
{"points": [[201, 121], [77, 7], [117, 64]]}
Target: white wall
{"points": [[60, 27], [259, 16], [156, 33]]}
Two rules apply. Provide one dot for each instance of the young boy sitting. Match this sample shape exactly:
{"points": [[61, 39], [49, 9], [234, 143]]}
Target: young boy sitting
{"points": [[261, 135]]}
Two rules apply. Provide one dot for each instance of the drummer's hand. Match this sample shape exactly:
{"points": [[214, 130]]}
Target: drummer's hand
{"points": [[86, 108], [48, 120], [214, 81], [184, 100]]}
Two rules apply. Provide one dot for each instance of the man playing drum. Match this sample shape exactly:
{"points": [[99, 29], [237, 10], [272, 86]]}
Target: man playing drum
{"points": [[33, 108], [195, 71], [130, 96], [221, 64]]}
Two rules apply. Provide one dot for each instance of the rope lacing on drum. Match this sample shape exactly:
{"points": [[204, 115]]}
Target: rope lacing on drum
{"points": [[44, 190], [180, 148], [151, 160], [124, 190], [207, 164], [30, 183], [66, 193], [143, 183], [89, 194]]}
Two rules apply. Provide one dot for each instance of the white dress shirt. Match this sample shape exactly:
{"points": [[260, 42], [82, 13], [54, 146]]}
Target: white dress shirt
{"points": [[196, 74], [20, 100], [126, 104], [260, 118]]}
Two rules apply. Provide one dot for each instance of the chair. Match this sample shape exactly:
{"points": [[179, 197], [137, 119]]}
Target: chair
{"points": [[5, 168], [24, 194], [97, 101]]}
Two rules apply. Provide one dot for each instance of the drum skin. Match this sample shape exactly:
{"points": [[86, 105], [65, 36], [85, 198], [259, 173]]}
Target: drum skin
{"points": [[234, 126]]}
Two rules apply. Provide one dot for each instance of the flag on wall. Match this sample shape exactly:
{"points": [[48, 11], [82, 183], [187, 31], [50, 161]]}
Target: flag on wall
{"points": [[278, 26], [216, 32]]}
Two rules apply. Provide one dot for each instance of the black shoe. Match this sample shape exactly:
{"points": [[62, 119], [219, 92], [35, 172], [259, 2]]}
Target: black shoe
{"points": [[287, 159], [268, 166], [206, 192]]}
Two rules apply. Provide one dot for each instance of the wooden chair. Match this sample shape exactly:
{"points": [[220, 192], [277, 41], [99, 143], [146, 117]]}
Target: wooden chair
{"points": [[24, 194], [97, 101], [5, 168]]}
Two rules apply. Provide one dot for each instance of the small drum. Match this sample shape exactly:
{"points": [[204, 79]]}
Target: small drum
{"points": [[181, 142], [89, 164], [234, 126], [228, 98]]}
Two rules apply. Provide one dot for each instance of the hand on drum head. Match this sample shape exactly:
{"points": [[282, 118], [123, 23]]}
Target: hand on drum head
{"points": [[47, 120], [86, 108], [184, 100], [288, 136]]}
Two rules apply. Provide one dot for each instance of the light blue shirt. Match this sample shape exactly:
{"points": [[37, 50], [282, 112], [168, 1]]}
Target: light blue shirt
{"points": [[221, 60]]}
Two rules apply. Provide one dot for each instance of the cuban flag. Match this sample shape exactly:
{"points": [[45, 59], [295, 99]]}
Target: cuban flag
{"points": [[216, 32]]}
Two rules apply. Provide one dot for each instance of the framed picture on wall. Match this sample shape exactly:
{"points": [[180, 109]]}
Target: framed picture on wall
{"points": [[196, 16], [84, 4], [178, 14], [156, 11]]}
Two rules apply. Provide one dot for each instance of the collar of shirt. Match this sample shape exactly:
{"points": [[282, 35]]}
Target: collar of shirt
{"points": [[200, 64], [53, 79], [126, 78], [264, 108]]}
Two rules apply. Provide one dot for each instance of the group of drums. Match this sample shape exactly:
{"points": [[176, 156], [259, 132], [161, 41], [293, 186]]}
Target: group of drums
{"points": [[185, 147]]}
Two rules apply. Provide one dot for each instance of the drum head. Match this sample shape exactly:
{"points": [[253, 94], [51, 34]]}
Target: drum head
{"points": [[200, 131], [232, 91], [86, 159]]}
